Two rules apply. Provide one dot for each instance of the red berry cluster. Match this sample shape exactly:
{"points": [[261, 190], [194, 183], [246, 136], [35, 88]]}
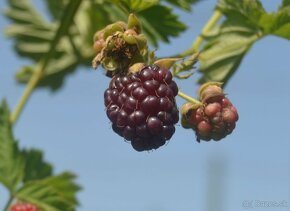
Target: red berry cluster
{"points": [[24, 207], [214, 117], [214, 120], [142, 108]]}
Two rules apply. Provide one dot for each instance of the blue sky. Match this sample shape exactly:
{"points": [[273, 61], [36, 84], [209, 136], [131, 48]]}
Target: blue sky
{"points": [[251, 164]]}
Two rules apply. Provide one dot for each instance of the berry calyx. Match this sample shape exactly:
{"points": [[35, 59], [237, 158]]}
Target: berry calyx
{"points": [[119, 45], [211, 92], [142, 108], [24, 207]]}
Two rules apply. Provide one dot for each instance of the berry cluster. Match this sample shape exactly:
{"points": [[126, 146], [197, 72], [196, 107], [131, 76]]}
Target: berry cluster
{"points": [[24, 207], [214, 120], [142, 108]]}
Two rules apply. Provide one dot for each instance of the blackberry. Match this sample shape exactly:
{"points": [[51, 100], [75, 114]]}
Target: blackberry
{"points": [[142, 108], [24, 207], [215, 119]]}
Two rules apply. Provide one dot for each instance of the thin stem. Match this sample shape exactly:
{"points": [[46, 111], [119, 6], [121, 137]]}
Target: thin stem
{"points": [[66, 21], [198, 41], [193, 52], [26, 94], [7, 206], [188, 98]]}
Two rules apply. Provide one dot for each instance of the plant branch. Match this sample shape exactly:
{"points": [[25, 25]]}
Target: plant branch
{"points": [[188, 98], [193, 52], [7, 206], [198, 41], [66, 20]]}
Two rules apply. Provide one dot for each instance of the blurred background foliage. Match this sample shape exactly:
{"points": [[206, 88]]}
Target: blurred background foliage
{"points": [[64, 41], [34, 34]]}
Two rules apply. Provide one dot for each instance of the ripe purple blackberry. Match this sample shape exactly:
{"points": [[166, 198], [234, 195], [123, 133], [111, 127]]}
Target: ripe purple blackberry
{"points": [[142, 108]]}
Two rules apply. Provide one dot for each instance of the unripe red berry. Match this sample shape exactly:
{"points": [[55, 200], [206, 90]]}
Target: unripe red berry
{"points": [[212, 108], [24, 207], [229, 116], [215, 119], [204, 128]]}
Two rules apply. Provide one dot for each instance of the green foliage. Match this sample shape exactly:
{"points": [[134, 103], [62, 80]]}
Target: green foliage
{"points": [[183, 4], [28, 177], [12, 162], [35, 36], [55, 193], [135, 5], [285, 3], [246, 22], [36, 168], [55, 7], [279, 23], [42, 41], [159, 23]]}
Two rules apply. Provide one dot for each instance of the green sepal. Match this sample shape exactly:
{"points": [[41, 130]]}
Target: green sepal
{"points": [[134, 23], [109, 64], [136, 67], [186, 110], [209, 90], [113, 28], [166, 63]]}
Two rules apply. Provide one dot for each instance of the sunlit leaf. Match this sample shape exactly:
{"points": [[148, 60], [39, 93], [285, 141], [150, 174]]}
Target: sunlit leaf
{"points": [[228, 43], [135, 5], [246, 11], [280, 22], [54, 193], [183, 4], [223, 54]]}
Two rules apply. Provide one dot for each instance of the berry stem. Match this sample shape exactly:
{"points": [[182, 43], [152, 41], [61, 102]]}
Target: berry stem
{"points": [[26, 94], [7, 206], [189, 98], [193, 51], [198, 41], [66, 20]]}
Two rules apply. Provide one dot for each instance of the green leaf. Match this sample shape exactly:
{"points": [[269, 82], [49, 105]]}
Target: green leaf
{"points": [[55, 74], [228, 43], [40, 40], [12, 163], [245, 11], [159, 23], [54, 193], [278, 23], [223, 53], [28, 177], [285, 3], [55, 7], [135, 5], [35, 167], [183, 4], [22, 12]]}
